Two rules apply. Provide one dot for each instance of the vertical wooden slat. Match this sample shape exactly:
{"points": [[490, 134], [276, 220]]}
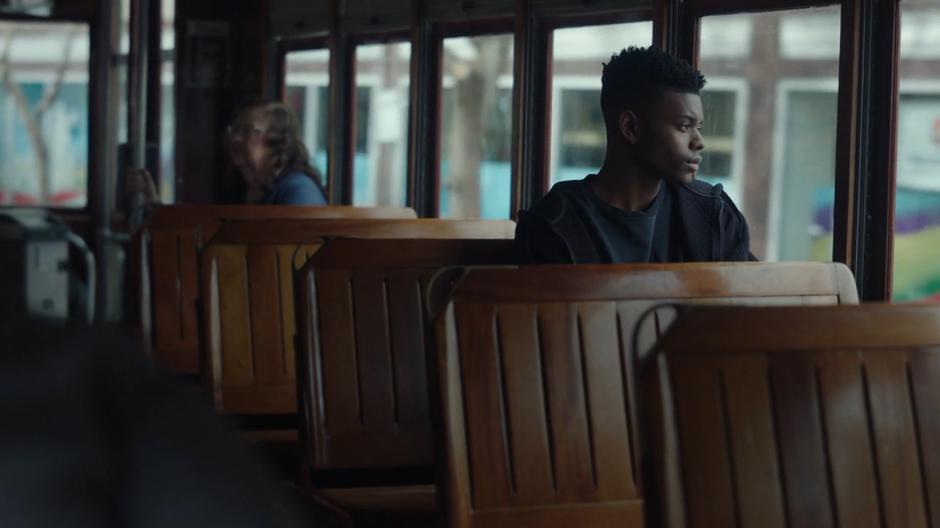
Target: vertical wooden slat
{"points": [[165, 291], [603, 371], [902, 496], [288, 314], [485, 420], [234, 316], [287, 256], [374, 355], [628, 323], [849, 450], [337, 352], [574, 466], [754, 449], [924, 371], [265, 303], [406, 331], [703, 449], [458, 484], [189, 292], [531, 451], [800, 440]]}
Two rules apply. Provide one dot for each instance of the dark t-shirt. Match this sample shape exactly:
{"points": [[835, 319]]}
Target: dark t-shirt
{"points": [[628, 236]]}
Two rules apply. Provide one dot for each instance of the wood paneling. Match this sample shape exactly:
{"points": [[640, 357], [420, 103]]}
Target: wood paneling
{"points": [[364, 383], [362, 313], [535, 368], [172, 238], [357, 337], [816, 427], [535, 417]]}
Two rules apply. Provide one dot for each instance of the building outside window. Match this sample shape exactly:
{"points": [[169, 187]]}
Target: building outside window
{"points": [[381, 163], [770, 124], [476, 127], [579, 139], [44, 113], [307, 92], [917, 199]]}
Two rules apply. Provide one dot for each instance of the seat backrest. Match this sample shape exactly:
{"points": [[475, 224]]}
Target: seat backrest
{"points": [[166, 259], [249, 304], [811, 416], [534, 380], [361, 316]]}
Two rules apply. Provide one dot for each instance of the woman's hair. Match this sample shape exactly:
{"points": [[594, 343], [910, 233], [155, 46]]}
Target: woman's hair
{"points": [[282, 136]]}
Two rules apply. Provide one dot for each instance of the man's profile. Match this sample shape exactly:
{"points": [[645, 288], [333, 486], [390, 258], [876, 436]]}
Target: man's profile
{"points": [[644, 204]]}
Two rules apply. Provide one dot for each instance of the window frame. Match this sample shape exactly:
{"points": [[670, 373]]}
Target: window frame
{"points": [[96, 177], [865, 147], [550, 24], [488, 26], [533, 89], [366, 38], [313, 42], [867, 102]]}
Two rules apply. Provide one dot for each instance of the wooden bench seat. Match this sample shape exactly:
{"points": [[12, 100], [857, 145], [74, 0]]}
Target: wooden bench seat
{"points": [[166, 269], [364, 389], [534, 367], [249, 318], [813, 416]]}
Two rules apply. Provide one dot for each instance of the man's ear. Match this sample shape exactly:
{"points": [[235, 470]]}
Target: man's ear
{"points": [[629, 126]]}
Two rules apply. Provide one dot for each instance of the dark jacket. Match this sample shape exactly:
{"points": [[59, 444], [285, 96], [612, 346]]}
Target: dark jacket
{"points": [[554, 231], [92, 436]]}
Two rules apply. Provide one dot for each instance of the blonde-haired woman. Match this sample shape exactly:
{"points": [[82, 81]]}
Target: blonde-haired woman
{"points": [[265, 146]]}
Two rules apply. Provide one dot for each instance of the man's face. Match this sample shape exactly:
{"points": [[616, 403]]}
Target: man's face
{"points": [[669, 140]]}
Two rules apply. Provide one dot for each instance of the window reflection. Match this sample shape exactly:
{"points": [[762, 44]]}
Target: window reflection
{"points": [[380, 167], [307, 82], [770, 124], [476, 127], [917, 200], [579, 139], [44, 114]]}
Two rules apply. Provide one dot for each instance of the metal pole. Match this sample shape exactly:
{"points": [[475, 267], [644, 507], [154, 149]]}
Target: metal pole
{"points": [[101, 154], [137, 99]]}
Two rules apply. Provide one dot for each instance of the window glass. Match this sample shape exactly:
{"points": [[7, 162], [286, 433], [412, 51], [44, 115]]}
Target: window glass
{"points": [[770, 124], [307, 82], [381, 164], [579, 139], [43, 114], [917, 202], [476, 127]]}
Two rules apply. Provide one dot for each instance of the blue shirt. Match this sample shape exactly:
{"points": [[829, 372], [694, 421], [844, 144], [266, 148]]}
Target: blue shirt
{"points": [[295, 188]]}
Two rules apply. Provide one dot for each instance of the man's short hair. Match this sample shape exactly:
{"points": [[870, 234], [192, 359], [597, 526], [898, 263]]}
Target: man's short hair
{"points": [[637, 77]]}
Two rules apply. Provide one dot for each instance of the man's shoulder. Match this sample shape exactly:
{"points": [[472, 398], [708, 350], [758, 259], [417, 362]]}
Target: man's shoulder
{"points": [[704, 193], [702, 189], [553, 206]]}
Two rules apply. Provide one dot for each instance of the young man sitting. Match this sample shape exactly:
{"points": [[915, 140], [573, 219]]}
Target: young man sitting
{"points": [[644, 205]]}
